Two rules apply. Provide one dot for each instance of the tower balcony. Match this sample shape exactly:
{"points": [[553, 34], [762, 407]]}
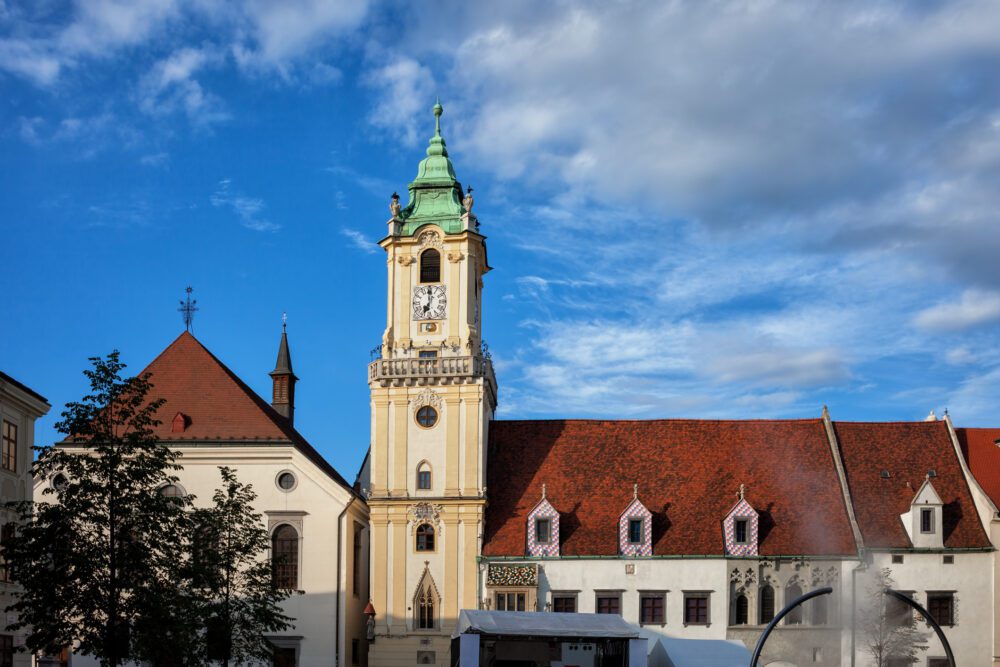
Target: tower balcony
{"points": [[431, 371]]}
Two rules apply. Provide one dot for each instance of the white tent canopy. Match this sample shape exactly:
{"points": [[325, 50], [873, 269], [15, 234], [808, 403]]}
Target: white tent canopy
{"points": [[534, 624]]}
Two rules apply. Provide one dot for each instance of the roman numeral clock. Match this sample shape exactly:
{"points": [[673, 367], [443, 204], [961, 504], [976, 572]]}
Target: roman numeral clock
{"points": [[430, 302]]}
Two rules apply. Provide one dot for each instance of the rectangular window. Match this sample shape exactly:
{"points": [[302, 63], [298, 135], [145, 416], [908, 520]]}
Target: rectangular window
{"points": [[926, 520], [355, 652], [6, 533], [696, 608], [651, 609], [543, 532], [949, 560], [608, 603], [564, 603], [283, 657], [740, 530], [8, 455], [897, 559], [424, 480], [941, 607], [635, 531], [428, 354], [511, 601]]}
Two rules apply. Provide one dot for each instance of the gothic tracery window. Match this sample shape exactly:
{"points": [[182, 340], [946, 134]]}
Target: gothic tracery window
{"points": [[742, 610], [792, 592], [766, 603]]}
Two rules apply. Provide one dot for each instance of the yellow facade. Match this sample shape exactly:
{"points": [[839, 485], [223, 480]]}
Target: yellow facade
{"points": [[434, 364]]}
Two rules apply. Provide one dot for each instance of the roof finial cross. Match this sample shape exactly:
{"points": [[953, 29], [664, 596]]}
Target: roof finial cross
{"points": [[635, 492], [543, 491], [742, 490], [188, 309], [284, 321]]}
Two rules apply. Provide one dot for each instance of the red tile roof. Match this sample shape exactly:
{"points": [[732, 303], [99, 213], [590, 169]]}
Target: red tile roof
{"points": [[688, 472], [983, 455], [218, 405], [908, 450]]}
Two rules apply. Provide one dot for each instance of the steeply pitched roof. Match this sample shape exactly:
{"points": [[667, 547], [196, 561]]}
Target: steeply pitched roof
{"points": [[218, 405], [983, 456], [283, 365], [908, 451], [688, 472]]}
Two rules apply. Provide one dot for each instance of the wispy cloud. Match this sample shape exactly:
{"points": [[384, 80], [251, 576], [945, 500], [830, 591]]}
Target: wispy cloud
{"points": [[974, 308], [248, 209], [170, 86], [402, 90], [358, 240]]}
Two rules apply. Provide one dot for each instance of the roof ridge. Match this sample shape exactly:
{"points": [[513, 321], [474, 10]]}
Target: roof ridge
{"points": [[799, 420]]}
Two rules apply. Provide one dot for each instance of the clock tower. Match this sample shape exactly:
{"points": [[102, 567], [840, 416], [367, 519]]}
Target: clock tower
{"points": [[433, 393]]}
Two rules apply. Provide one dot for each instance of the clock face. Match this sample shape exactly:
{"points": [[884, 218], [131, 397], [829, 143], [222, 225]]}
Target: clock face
{"points": [[429, 302]]}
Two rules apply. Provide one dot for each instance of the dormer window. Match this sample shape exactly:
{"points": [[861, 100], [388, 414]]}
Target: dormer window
{"points": [[635, 531], [926, 520], [179, 423], [543, 531], [740, 528]]}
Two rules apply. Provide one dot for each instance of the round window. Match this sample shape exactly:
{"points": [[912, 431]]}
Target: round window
{"points": [[171, 491], [427, 416], [286, 481], [59, 482]]}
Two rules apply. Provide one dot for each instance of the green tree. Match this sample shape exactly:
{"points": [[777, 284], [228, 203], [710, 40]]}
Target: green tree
{"points": [[232, 575], [889, 631], [95, 562]]}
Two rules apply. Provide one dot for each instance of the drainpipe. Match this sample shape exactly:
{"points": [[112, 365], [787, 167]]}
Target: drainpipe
{"points": [[336, 607]]}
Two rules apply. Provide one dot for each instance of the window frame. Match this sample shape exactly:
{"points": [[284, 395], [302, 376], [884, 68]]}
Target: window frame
{"points": [[939, 595], [277, 576], [424, 468], [690, 596], [927, 516], [423, 409], [608, 595], [641, 522], [744, 523], [548, 530], [420, 267], [519, 596], [736, 609], [8, 449], [653, 595], [418, 533], [794, 616], [282, 473], [565, 596], [762, 618]]}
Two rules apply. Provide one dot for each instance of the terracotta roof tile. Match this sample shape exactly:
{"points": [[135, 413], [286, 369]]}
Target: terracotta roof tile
{"points": [[983, 455], [217, 404], [908, 450], [688, 472]]}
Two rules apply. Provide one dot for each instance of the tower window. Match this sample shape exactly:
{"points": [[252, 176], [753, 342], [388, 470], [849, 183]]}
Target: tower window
{"points": [[430, 266], [740, 531], [926, 520], [424, 477], [425, 537], [427, 416]]}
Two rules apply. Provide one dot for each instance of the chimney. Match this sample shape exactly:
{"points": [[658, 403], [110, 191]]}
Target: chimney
{"points": [[283, 381]]}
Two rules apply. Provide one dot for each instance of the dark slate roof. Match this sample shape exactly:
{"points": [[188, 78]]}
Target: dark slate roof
{"points": [[283, 365], [908, 451], [688, 472]]}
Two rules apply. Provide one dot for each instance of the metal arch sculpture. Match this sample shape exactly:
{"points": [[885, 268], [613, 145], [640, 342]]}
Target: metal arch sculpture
{"points": [[784, 612], [930, 621]]}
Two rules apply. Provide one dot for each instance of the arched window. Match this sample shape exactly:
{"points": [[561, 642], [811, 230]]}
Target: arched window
{"points": [[818, 605], [285, 557], [424, 476], [172, 491], [430, 266], [424, 602], [742, 611], [425, 537], [794, 616], [766, 604]]}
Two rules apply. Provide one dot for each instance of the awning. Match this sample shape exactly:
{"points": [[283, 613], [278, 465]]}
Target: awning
{"points": [[543, 624]]}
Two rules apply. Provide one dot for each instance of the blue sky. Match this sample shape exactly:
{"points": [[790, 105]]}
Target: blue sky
{"points": [[699, 209]]}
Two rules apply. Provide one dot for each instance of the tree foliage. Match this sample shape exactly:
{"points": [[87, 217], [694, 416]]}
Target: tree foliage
{"points": [[888, 628], [232, 576], [100, 551]]}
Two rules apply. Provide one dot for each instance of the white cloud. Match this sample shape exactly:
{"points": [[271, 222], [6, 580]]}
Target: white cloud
{"points": [[248, 209], [975, 308], [402, 90], [170, 86], [358, 240]]}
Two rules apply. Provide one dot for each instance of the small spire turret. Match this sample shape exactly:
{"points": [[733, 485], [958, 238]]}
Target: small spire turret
{"points": [[283, 378]]}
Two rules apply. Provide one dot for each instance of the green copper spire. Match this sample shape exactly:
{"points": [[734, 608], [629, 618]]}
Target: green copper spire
{"points": [[435, 194]]}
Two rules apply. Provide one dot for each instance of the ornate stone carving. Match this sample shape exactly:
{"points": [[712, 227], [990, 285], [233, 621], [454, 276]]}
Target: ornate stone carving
{"points": [[429, 239], [455, 257], [426, 397], [406, 260], [425, 513]]}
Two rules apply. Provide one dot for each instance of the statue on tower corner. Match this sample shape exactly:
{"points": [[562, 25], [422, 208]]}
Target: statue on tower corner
{"points": [[468, 201], [471, 221], [394, 206]]}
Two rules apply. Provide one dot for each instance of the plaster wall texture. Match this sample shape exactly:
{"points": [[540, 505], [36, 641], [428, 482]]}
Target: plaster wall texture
{"points": [[312, 507], [21, 409]]}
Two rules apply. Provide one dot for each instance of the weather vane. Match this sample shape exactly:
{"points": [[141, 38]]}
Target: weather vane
{"points": [[188, 309]]}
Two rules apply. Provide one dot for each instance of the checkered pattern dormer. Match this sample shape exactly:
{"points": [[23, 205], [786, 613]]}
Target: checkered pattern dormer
{"points": [[742, 511], [543, 511], [636, 511]]}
